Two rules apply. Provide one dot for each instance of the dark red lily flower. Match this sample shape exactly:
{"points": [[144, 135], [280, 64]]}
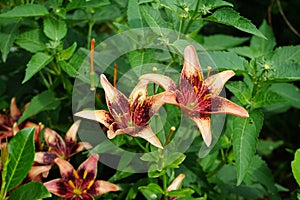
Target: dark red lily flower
{"points": [[198, 97], [58, 147], [127, 116], [79, 184]]}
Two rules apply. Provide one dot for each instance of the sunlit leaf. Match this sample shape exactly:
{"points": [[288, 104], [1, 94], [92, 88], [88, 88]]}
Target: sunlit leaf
{"points": [[55, 29], [32, 40], [295, 166]]}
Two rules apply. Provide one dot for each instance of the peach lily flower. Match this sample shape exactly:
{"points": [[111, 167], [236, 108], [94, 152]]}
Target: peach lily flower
{"points": [[198, 97], [58, 147], [127, 116], [79, 184], [175, 185]]}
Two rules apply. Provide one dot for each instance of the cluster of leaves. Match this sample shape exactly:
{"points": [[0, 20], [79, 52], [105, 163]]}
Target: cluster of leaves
{"points": [[43, 44]]}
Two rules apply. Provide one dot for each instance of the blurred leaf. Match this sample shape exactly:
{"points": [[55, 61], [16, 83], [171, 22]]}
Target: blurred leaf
{"points": [[75, 4], [31, 190], [55, 29], [32, 40], [134, 15], [27, 10], [266, 147], [68, 52], [245, 134], [295, 166], [8, 35], [21, 155], [289, 91], [213, 4], [240, 90], [262, 45], [228, 60], [230, 17], [37, 62], [41, 102], [222, 42]]}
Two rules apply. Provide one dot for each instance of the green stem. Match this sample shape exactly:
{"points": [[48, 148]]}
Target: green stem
{"points": [[140, 145], [164, 179], [192, 18], [46, 83], [180, 27], [91, 24]]}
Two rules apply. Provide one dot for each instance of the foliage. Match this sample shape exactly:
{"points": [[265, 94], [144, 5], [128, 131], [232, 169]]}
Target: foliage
{"points": [[45, 46]]}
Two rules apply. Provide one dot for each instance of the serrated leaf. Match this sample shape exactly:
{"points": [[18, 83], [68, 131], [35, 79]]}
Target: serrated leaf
{"points": [[295, 166], [68, 68], [245, 51], [154, 19], [222, 42], [37, 62], [68, 52], [75, 4], [240, 90], [286, 54], [262, 45], [289, 91], [228, 60], [245, 134], [32, 40], [266, 97], [230, 17], [213, 4], [21, 155], [55, 29], [8, 35], [27, 10], [140, 57], [32, 190], [41, 102]]}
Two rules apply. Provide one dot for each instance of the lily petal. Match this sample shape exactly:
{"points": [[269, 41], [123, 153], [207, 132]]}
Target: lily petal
{"points": [[100, 187], [72, 132], [66, 169], [176, 183], [45, 158], [87, 171], [203, 124], [59, 187], [101, 116], [14, 110], [165, 82], [216, 82], [222, 105], [82, 146], [55, 141], [191, 64], [139, 91], [36, 172], [170, 98], [147, 134]]}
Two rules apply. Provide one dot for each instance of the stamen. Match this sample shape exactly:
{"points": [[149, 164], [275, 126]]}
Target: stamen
{"points": [[49, 149], [208, 71], [115, 74], [85, 174], [90, 184], [206, 96], [75, 174], [92, 69], [77, 191], [200, 76], [71, 184], [196, 89], [154, 69]]}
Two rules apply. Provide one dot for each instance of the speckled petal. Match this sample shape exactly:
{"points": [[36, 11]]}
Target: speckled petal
{"points": [[88, 170], [164, 81], [14, 110], [139, 91], [101, 116], [45, 158], [55, 141], [191, 64], [59, 188], [216, 82], [221, 105], [72, 132], [100, 187], [203, 124], [65, 168], [36, 172]]}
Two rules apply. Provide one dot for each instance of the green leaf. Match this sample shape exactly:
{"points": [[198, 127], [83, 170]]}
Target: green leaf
{"points": [[21, 155], [32, 40], [181, 193], [286, 54], [140, 57], [75, 4], [37, 62], [134, 14], [27, 10], [41, 102], [151, 191], [267, 97], [245, 134], [154, 19], [240, 90], [55, 29], [32, 190], [295, 166], [68, 52], [213, 4], [288, 91], [230, 17], [228, 60], [266, 147], [222, 42], [262, 45], [245, 51], [8, 35]]}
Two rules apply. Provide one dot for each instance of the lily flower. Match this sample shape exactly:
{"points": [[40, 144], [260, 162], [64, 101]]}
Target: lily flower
{"points": [[197, 97], [79, 184], [58, 147], [127, 116], [175, 185]]}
